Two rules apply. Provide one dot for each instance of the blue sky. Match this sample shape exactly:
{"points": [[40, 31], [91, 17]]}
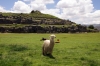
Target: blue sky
{"points": [[79, 11], [96, 4], [7, 4]]}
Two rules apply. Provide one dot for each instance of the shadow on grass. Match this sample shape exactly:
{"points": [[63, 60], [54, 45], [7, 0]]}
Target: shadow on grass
{"points": [[14, 47], [50, 56], [90, 62], [18, 47]]}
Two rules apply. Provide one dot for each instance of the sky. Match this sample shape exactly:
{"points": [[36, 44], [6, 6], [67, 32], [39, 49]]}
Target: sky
{"points": [[78, 11]]}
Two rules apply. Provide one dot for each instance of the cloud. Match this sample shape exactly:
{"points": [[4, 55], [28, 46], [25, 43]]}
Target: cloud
{"points": [[94, 17], [26, 0], [79, 11], [2, 9], [67, 3], [75, 6], [41, 1], [44, 1], [21, 7], [55, 12], [37, 6], [40, 4]]}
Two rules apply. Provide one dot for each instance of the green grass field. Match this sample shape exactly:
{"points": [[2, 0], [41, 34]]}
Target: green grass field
{"points": [[73, 50]]}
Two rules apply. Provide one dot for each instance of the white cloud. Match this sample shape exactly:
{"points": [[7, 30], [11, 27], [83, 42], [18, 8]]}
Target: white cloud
{"points": [[40, 4], [2, 9], [81, 6], [67, 3], [26, 0], [94, 17], [55, 12], [37, 6], [96, 14], [44, 1], [21, 7], [48, 1], [41, 1], [78, 11]]}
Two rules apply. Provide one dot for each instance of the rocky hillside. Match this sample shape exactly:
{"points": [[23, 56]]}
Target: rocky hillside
{"points": [[37, 22], [35, 18]]}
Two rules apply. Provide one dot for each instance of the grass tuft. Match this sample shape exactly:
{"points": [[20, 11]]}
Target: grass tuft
{"points": [[18, 47]]}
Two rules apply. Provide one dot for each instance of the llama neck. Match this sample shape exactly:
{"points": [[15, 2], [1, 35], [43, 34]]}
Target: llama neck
{"points": [[51, 41]]}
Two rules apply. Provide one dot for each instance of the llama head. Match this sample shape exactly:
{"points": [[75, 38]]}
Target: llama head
{"points": [[52, 36]]}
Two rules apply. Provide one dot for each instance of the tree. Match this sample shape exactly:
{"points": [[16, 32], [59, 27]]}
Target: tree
{"points": [[91, 27], [32, 11]]}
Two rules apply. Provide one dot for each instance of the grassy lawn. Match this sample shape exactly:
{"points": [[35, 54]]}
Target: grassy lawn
{"points": [[73, 50]]}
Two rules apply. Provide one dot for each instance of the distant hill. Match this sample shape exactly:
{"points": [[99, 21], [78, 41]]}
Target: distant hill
{"points": [[97, 26], [35, 18]]}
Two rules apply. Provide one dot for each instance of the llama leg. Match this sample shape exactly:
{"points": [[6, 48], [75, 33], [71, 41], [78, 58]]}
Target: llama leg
{"points": [[44, 51]]}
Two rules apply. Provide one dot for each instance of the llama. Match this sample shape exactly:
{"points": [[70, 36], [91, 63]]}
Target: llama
{"points": [[48, 46]]}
